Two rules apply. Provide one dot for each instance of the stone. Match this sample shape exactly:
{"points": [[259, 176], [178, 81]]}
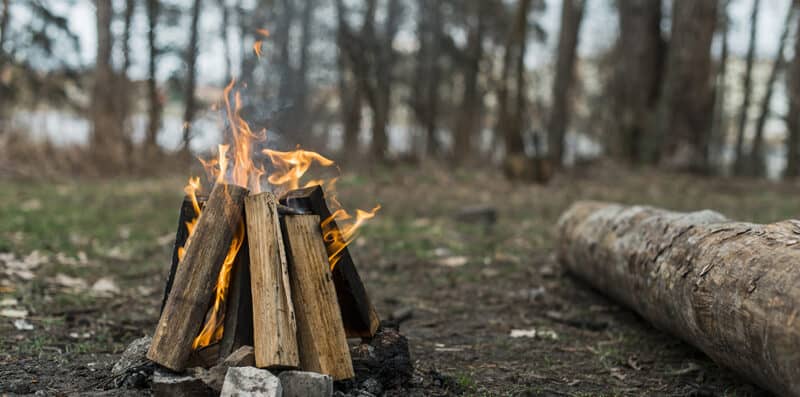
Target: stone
{"points": [[133, 356], [306, 384], [251, 381], [215, 377], [179, 385]]}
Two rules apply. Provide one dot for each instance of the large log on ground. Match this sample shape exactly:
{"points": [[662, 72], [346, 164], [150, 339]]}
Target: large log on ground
{"points": [[275, 330], [359, 315], [196, 277], [321, 340], [731, 289]]}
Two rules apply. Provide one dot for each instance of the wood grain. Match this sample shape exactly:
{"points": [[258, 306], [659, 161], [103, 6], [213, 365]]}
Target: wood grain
{"points": [[322, 343], [731, 289], [275, 330], [359, 315], [196, 276]]}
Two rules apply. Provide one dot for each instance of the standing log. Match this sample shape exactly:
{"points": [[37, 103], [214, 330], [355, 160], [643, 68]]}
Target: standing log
{"points": [[238, 325], [359, 315], [275, 330], [731, 289], [196, 276], [321, 339], [187, 213]]}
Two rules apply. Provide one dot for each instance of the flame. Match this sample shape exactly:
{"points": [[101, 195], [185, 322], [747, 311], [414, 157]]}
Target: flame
{"points": [[257, 47], [235, 164], [213, 329], [291, 166], [338, 238]]}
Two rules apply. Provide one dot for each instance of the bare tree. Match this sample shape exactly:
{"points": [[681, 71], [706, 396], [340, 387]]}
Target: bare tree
{"points": [[719, 123], [793, 119], [226, 39], [637, 76], [427, 74], [468, 123], [757, 158], [4, 18], [510, 83], [154, 105], [571, 16], [739, 161], [684, 120], [349, 91], [191, 78], [106, 136]]}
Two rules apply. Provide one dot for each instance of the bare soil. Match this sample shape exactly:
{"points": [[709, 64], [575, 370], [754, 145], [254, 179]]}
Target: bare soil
{"points": [[467, 284]]}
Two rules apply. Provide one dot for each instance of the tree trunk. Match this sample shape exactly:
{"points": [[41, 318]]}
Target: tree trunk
{"points": [[300, 119], [107, 128], [637, 78], [426, 83], [793, 116], [719, 125], [191, 78], [730, 289], [226, 40], [757, 158], [154, 105], [507, 118], [350, 100], [684, 115], [384, 79], [739, 160], [4, 18], [468, 124], [127, 101], [571, 16]]}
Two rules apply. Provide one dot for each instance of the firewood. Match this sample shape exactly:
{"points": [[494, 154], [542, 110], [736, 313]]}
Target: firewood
{"points": [[187, 213], [275, 339], [731, 289], [359, 315], [321, 339], [238, 326], [196, 276]]}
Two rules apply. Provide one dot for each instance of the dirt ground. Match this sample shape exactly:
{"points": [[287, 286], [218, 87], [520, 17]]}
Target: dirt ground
{"points": [[83, 264]]}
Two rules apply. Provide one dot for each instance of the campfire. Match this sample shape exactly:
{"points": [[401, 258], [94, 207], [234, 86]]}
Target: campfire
{"points": [[263, 265]]}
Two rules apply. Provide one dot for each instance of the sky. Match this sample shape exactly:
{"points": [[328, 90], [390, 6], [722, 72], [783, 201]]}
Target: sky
{"points": [[597, 33]]}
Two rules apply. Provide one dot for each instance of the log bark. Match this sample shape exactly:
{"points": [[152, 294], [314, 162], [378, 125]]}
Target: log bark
{"points": [[196, 276], [321, 339], [275, 330], [359, 315], [731, 289]]}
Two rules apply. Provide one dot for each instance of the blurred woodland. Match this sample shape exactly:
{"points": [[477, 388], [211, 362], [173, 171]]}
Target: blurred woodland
{"points": [[466, 83]]}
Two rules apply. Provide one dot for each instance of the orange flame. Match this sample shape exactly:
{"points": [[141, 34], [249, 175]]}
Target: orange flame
{"points": [[338, 238], [291, 166], [213, 329], [257, 47]]}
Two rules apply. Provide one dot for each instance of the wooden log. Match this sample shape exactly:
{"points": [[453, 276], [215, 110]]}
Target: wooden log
{"points": [[322, 343], [275, 330], [187, 213], [238, 325], [731, 289], [359, 315], [196, 276]]}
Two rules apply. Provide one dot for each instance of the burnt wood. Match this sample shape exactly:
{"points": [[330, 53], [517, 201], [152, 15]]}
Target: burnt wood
{"points": [[358, 314], [187, 213], [195, 277], [238, 323]]}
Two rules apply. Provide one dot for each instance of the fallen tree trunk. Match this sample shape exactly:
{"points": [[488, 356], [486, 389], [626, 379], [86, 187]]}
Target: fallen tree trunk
{"points": [[731, 289]]}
